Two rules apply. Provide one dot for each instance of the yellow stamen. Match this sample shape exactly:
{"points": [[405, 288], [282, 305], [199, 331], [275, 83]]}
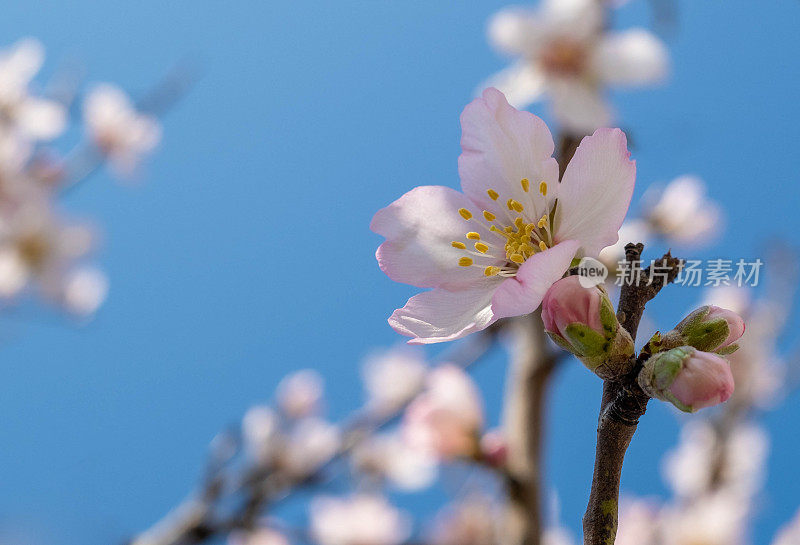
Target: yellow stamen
{"points": [[481, 247], [472, 235], [489, 216], [543, 188], [493, 194], [459, 245], [542, 245], [491, 271], [515, 205], [466, 214], [465, 261], [542, 222], [516, 258], [526, 184]]}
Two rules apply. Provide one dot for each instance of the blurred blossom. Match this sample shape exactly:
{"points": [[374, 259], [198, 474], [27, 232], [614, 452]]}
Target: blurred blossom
{"points": [[300, 393], [392, 378], [556, 536], [259, 536], [757, 368], [789, 534], [633, 230], [358, 520], [259, 432], [389, 456], [118, 130], [21, 113], [494, 448], [471, 521], [564, 53], [638, 523], [38, 247], [310, 444], [680, 212], [737, 465], [719, 519], [447, 418]]}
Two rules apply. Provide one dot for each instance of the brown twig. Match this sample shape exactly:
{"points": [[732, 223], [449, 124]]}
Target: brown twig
{"points": [[623, 401]]}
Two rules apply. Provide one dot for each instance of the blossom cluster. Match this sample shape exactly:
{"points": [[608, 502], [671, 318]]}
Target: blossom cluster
{"points": [[42, 250]]}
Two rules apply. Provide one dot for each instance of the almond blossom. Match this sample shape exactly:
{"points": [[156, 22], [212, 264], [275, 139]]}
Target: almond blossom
{"points": [[22, 113], [681, 212], [493, 251], [564, 52], [359, 520], [118, 130]]}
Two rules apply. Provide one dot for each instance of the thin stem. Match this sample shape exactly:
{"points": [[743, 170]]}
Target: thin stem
{"points": [[623, 403]]}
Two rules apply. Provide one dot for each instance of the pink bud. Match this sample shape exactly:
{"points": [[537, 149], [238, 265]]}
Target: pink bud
{"points": [[735, 323], [494, 448], [704, 380], [567, 302]]}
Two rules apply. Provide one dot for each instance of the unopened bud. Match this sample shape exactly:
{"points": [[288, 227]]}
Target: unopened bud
{"points": [[709, 328], [688, 378], [582, 321]]}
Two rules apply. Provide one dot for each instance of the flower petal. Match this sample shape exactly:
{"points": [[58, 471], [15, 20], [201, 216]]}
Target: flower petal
{"points": [[596, 191], [515, 31], [522, 83], [419, 227], [633, 57], [524, 293], [501, 146], [440, 315], [579, 105]]}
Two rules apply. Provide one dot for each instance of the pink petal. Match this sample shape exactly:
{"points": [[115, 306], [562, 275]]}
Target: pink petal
{"points": [[419, 227], [501, 146], [596, 191], [523, 293], [440, 315]]}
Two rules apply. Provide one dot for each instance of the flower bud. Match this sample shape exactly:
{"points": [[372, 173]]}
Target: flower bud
{"points": [[709, 328], [582, 321], [687, 378]]}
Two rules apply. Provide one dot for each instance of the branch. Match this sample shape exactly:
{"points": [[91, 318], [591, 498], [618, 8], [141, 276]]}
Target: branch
{"points": [[623, 402], [529, 375]]}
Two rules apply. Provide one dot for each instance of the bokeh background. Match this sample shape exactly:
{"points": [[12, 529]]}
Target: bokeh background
{"points": [[246, 253]]}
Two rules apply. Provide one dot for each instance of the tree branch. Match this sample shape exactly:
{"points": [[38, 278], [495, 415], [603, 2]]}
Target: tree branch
{"points": [[623, 401]]}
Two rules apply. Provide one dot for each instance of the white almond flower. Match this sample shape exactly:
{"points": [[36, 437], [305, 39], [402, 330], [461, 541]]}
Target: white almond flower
{"points": [[389, 456], [310, 444], [117, 129], [681, 212], [358, 520], [300, 393], [392, 378], [471, 521], [789, 534], [564, 52], [690, 468], [717, 519], [638, 523], [260, 433], [31, 117]]}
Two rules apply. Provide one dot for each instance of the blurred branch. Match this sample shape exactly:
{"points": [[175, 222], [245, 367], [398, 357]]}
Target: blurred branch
{"points": [[623, 403]]}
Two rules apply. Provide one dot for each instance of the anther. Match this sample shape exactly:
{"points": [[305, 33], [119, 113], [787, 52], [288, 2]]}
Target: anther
{"points": [[465, 262], [543, 187], [542, 245], [526, 184], [493, 194], [491, 271], [516, 258], [472, 235], [481, 247], [489, 216], [466, 214], [459, 245]]}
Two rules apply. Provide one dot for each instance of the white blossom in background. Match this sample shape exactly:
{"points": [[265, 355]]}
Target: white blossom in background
{"points": [[638, 522], [633, 230], [471, 521], [392, 378], [260, 536], [358, 520], [118, 130], [681, 212], [789, 534], [260, 431], [719, 519], [40, 250], [690, 468], [388, 456], [300, 393], [447, 418], [22, 113], [563, 53], [309, 445]]}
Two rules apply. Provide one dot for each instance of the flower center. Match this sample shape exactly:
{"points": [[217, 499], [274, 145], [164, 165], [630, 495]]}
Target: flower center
{"points": [[564, 57], [513, 239]]}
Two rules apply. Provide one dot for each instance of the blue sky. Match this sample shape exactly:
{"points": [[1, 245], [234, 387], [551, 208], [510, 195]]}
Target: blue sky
{"points": [[247, 253]]}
